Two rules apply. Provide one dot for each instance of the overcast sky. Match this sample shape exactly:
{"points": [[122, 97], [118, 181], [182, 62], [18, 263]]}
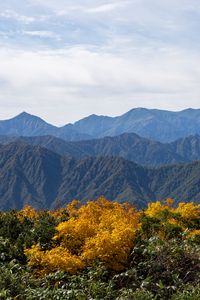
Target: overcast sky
{"points": [[66, 59]]}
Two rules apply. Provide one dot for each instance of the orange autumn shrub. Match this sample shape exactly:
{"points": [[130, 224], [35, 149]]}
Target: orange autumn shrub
{"points": [[27, 212], [106, 231], [154, 209], [49, 261], [100, 230], [183, 218], [188, 210]]}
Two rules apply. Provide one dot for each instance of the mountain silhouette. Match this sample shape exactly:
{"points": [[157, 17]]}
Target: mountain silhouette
{"points": [[160, 125]]}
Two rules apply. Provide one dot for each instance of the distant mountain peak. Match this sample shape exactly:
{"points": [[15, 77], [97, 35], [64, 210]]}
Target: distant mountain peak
{"points": [[138, 110], [154, 124], [24, 114], [25, 117]]}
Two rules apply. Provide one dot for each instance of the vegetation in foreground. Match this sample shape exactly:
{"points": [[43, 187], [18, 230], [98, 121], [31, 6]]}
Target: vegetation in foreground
{"points": [[101, 250]]}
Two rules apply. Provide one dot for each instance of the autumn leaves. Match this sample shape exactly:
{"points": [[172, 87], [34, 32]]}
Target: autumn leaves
{"points": [[106, 231]]}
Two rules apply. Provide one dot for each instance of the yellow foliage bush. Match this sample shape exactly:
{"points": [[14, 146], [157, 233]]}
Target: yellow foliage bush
{"points": [[188, 210], [155, 208], [106, 231], [52, 260], [27, 212], [185, 210], [183, 218], [99, 230]]}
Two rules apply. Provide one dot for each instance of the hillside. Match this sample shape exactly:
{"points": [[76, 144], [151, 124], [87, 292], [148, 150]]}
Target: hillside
{"points": [[128, 145], [44, 179]]}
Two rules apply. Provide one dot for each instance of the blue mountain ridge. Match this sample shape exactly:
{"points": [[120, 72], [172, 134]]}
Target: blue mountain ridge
{"points": [[160, 125]]}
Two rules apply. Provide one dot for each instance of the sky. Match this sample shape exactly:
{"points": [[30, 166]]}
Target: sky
{"points": [[63, 60]]}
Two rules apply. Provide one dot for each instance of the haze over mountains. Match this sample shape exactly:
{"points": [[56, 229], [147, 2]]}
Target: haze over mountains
{"points": [[159, 125], [47, 166], [44, 179]]}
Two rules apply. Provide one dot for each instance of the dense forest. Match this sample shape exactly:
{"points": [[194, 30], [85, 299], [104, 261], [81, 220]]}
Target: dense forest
{"points": [[43, 179], [101, 250]]}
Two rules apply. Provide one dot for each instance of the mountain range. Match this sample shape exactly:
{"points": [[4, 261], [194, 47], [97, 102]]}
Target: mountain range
{"points": [[140, 156], [160, 125], [128, 145], [37, 176], [29, 125]]}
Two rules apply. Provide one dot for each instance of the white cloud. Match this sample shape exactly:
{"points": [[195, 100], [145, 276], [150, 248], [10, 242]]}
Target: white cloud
{"points": [[41, 34], [92, 9], [9, 14], [100, 56], [65, 85], [107, 7]]}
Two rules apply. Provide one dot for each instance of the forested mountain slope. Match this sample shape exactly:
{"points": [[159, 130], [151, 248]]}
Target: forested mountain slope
{"points": [[128, 145], [44, 179]]}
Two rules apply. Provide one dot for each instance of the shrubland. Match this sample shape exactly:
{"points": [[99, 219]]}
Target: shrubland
{"points": [[101, 250]]}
